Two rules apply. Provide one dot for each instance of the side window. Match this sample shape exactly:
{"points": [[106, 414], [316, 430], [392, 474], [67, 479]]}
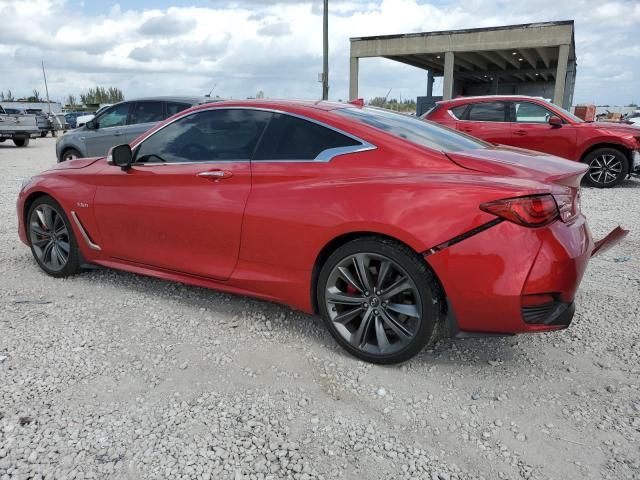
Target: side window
{"points": [[146, 112], [292, 138], [526, 112], [174, 107], [115, 116], [487, 112], [211, 135], [458, 111]]}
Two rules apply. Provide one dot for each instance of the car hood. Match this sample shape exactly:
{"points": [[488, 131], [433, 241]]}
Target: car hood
{"points": [[611, 128], [75, 164], [520, 163]]}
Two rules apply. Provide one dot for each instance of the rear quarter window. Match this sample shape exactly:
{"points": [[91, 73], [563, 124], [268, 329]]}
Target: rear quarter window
{"points": [[458, 112], [292, 138]]}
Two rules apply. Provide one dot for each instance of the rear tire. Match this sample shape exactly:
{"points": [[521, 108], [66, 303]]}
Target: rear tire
{"points": [[608, 167], [70, 154], [378, 299], [21, 142], [43, 134], [51, 238]]}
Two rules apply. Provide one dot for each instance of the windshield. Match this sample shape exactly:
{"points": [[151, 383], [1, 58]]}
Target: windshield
{"points": [[425, 133], [571, 115]]}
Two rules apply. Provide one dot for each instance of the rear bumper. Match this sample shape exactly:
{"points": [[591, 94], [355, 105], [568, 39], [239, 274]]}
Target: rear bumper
{"points": [[20, 134], [486, 276], [635, 161]]}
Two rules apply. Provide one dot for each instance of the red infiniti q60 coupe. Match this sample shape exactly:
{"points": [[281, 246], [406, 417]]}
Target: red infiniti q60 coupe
{"points": [[383, 224]]}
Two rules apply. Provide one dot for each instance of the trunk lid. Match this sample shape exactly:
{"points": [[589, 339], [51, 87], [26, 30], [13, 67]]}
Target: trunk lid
{"points": [[520, 163]]}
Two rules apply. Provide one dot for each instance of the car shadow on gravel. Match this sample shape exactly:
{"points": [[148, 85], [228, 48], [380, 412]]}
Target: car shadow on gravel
{"points": [[444, 351]]}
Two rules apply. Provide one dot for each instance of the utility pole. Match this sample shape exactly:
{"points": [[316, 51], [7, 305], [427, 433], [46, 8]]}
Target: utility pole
{"points": [[325, 52], [46, 88]]}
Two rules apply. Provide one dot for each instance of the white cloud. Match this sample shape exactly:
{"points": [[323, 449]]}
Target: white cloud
{"points": [[276, 46]]}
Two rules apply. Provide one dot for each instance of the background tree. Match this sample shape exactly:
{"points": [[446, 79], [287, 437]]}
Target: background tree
{"points": [[35, 97], [9, 96], [100, 95], [406, 106], [71, 100]]}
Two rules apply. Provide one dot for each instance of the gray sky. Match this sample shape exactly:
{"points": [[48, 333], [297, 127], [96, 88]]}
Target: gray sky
{"points": [[158, 47]]}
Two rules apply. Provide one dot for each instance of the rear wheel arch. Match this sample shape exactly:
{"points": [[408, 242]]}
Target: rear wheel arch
{"points": [[345, 238]]}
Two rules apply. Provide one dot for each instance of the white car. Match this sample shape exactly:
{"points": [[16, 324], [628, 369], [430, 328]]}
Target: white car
{"points": [[81, 120]]}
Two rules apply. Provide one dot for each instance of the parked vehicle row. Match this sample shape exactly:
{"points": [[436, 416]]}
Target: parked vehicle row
{"points": [[611, 151], [87, 116], [71, 118], [119, 123], [18, 127], [372, 219]]}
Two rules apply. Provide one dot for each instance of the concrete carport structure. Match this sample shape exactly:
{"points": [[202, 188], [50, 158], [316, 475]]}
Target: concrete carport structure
{"points": [[536, 59]]}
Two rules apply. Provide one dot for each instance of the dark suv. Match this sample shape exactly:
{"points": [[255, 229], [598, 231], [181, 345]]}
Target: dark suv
{"points": [[120, 123]]}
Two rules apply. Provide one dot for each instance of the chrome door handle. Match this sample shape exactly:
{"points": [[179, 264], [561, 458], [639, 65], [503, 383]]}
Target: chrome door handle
{"points": [[216, 174], [520, 133]]}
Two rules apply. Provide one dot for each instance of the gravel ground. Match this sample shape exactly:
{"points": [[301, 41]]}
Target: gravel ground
{"points": [[113, 375]]}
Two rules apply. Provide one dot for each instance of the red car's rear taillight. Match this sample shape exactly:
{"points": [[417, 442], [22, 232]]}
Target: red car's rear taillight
{"points": [[530, 211], [568, 205]]}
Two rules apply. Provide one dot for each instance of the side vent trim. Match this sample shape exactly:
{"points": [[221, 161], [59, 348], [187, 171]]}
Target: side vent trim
{"points": [[83, 232]]}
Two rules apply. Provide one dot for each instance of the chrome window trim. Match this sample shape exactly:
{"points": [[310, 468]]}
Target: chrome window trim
{"points": [[324, 156], [451, 114]]}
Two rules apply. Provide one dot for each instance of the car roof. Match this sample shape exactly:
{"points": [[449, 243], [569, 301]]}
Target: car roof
{"points": [[171, 98], [275, 103], [489, 97]]}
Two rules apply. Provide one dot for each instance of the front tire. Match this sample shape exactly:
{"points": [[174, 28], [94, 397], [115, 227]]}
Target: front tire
{"points": [[608, 168], [70, 154], [21, 142], [51, 238], [378, 299]]}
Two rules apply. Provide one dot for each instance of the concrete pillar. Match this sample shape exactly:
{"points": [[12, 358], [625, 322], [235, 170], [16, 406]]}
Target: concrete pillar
{"points": [[447, 88], [430, 81], [561, 74], [353, 78], [569, 86]]}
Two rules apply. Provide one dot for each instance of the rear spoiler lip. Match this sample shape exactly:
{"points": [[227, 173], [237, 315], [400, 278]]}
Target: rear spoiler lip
{"points": [[571, 178], [614, 237]]}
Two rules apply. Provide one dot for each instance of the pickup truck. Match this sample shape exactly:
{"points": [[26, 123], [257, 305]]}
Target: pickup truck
{"points": [[18, 127]]}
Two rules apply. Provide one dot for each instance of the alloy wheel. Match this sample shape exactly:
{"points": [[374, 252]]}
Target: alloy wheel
{"points": [[373, 303], [70, 156], [605, 168], [50, 237]]}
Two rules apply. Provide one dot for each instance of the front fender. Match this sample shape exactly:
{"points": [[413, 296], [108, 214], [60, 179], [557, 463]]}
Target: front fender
{"points": [[71, 195]]}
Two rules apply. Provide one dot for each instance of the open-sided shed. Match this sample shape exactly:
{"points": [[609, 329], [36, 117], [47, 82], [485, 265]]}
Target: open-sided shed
{"points": [[535, 59]]}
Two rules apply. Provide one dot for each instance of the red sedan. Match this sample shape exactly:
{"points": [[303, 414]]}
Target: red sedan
{"points": [[383, 224], [612, 151]]}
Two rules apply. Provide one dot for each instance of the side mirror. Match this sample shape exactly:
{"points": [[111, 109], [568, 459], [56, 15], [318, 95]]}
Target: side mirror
{"points": [[555, 122], [121, 156], [91, 125]]}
